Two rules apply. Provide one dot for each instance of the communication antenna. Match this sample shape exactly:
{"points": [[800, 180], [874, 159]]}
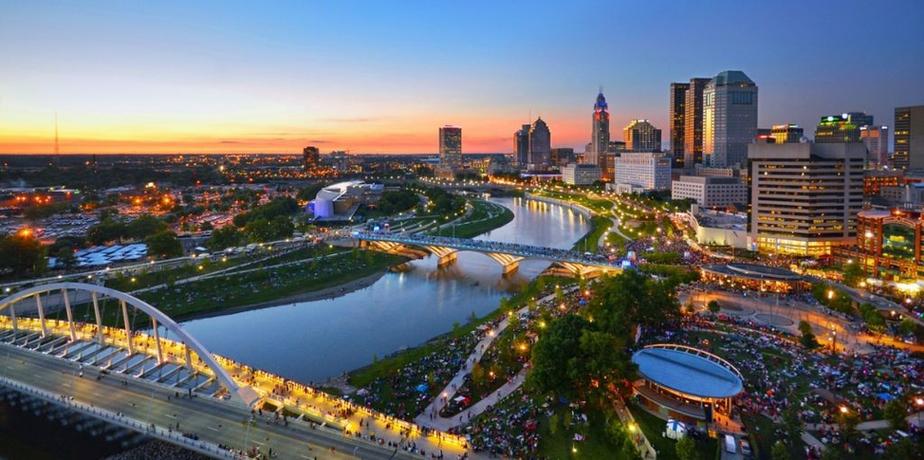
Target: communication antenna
{"points": [[57, 150]]}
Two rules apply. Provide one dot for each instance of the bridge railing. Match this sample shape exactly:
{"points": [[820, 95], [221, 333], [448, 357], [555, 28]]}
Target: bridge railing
{"points": [[563, 255], [203, 447]]}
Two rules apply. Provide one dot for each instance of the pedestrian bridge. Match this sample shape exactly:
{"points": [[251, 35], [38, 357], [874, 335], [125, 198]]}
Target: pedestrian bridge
{"points": [[159, 355], [507, 255]]}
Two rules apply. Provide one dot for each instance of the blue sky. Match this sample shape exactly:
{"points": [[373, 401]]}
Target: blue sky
{"points": [[382, 76]]}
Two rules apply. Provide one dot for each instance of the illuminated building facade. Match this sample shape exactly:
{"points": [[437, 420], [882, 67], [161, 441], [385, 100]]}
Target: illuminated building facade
{"points": [[786, 133], [311, 157], [804, 197], [677, 117], [521, 146], [600, 137], [909, 138], [540, 146], [889, 243], [876, 139], [874, 181], [841, 128], [729, 118], [693, 122], [451, 147], [642, 136]]}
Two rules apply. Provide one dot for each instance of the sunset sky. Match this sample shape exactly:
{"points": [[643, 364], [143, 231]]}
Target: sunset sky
{"points": [[133, 76]]}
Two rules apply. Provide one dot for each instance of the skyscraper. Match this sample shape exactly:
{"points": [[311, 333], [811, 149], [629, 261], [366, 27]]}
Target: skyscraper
{"points": [[841, 128], [451, 147], [521, 146], [600, 138], [876, 139], [540, 146], [909, 137], [311, 157], [678, 120], [642, 136], [729, 118], [693, 122]]}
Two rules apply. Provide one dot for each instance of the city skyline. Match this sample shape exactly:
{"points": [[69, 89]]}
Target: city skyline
{"points": [[197, 79]]}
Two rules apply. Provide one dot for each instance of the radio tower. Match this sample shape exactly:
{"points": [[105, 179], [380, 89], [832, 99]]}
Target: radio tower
{"points": [[57, 151]]}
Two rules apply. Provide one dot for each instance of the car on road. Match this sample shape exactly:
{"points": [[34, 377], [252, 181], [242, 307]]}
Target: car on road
{"points": [[745, 447]]}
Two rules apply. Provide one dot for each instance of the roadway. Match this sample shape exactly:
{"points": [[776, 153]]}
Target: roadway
{"points": [[213, 421]]}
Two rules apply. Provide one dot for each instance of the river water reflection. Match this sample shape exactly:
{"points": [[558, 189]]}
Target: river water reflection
{"points": [[311, 341]]}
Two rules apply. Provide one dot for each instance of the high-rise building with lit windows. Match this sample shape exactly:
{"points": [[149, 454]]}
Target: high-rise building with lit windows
{"points": [[540, 146], [909, 137], [451, 147], [521, 146], [841, 128], [804, 197], [693, 123], [876, 139], [677, 122], [729, 118], [600, 137], [786, 133], [642, 136]]}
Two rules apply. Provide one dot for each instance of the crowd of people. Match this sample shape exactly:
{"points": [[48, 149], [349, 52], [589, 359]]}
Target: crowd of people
{"points": [[157, 450]]}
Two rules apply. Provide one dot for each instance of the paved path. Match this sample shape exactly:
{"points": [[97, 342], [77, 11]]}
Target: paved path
{"points": [[442, 399]]}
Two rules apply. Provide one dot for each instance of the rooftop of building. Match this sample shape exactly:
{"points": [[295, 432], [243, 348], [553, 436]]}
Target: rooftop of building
{"points": [[689, 371], [755, 272], [732, 77]]}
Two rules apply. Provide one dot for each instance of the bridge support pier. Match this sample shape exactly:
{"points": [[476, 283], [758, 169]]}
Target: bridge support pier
{"points": [[128, 328], [509, 264], [446, 255], [41, 312], [99, 320], [13, 318], [160, 354], [70, 315]]}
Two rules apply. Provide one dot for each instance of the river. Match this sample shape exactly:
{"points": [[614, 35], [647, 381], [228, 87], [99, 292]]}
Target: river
{"points": [[312, 341]]}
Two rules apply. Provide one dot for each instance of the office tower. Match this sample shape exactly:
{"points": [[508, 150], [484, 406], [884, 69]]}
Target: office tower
{"points": [[876, 140], [841, 128], [521, 146], [786, 134], [693, 123], [540, 146], [909, 137], [561, 156], [451, 147], [311, 157], [710, 191], [600, 137], [804, 197], [642, 136], [580, 174], [729, 118], [642, 171], [678, 120]]}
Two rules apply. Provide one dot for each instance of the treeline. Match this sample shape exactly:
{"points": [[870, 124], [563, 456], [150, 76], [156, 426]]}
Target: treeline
{"points": [[269, 222], [442, 202]]}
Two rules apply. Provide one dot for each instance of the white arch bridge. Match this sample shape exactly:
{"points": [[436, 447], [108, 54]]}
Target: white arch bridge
{"points": [[45, 352], [507, 255]]}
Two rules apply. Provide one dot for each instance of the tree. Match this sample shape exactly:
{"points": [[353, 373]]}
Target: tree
{"points": [[164, 245], [686, 449], [225, 237], [144, 226], [907, 326], [779, 451], [853, 274], [107, 230], [21, 255], [896, 412], [65, 257], [808, 339], [713, 306], [555, 355], [791, 426], [622, 302], [805, 327]]}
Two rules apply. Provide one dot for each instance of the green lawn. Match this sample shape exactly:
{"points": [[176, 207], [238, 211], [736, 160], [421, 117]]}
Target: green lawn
{"points": [[485, 216], [236, 290], [599, 226], [561, 444], [653, 427]]}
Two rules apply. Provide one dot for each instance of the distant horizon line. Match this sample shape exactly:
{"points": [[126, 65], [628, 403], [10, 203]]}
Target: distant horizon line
{"points": [[235, 153]]}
